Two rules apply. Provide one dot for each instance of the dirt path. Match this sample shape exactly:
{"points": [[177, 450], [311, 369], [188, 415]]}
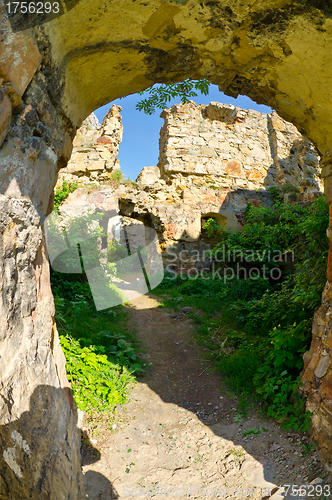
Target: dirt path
{"points": [[180, 436]]}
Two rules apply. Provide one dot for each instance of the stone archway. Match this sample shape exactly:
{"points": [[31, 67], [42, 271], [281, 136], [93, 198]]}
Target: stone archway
{"points": [[52, 77]]}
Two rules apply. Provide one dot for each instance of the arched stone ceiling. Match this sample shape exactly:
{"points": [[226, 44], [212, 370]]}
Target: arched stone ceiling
{"points": [[277, 52]]}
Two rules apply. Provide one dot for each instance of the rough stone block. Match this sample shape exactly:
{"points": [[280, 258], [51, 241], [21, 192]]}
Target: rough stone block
{"points": [[326, 389], [67, 148], [149, 175], [19, 58], [188, 196], [322, 366], [234, 169], [93, 156], [105, 154], [76, 167], [5, 117], [327, 170], [254, 175], [192, 230], [328, 190], [104, 140], [96, 165]]}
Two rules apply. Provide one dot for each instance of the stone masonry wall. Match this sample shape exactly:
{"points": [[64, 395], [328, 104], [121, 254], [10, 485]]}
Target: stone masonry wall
{"points": [[234, 149], [95, 149], [39, 437]]}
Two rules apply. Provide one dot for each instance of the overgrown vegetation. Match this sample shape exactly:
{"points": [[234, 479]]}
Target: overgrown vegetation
{"points": [[101, 354], [213, 229], [61, 193], [259, 303], [116, 175]]}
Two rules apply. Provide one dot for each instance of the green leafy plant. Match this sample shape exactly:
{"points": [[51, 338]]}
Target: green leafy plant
{"points": [[213, 228], [101, 355], [159, 95], [116, 175], [308, 447], [60, 194], [97, 383]]}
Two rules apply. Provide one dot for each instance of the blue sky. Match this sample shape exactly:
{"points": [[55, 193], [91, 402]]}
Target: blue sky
{"points": [[140, 144]]}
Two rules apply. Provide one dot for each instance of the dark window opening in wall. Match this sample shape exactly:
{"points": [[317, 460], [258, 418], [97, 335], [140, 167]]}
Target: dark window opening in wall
{"points": [[212, 226]]}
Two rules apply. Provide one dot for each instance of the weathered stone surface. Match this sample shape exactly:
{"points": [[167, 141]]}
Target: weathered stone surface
{"points": [[238, 147], [5, 117], [176, 203], [39, 448], [149, 175], [323, 365], [19, 54], [99, 157], [278, 54], [317, 376], [39, 440]]}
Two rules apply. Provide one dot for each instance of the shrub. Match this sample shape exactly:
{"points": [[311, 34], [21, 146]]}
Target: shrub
{"points": [[97, 383], [116, 175], [60, 194]]}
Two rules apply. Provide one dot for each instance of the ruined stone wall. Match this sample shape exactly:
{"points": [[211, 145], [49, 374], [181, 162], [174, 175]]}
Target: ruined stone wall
{"points": [[95, 149], [39, 438], [213, 161], [233, 148], [278, 53]]}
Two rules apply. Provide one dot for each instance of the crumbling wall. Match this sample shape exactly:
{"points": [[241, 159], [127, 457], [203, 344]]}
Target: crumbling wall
{"points": [[234, 148], [277, 53], [95, 149], [213, 160], [39, 438]]}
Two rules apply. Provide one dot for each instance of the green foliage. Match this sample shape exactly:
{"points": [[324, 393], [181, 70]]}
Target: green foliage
{"points": [[77, 316], [257, 330], [278, 192], [116, 176], [160, 95], [60, 194], [253, 430], [101, 355], [308, 448], [97, 383], [213, 228], [116, 252], [87, 232]]}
